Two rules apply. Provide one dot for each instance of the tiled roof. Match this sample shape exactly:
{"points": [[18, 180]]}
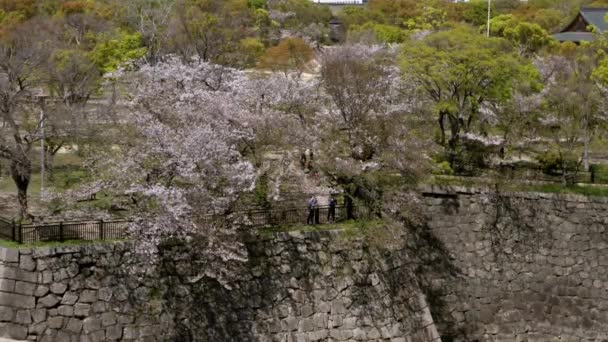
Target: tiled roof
{"points": [[596, 17], [574, 36]]}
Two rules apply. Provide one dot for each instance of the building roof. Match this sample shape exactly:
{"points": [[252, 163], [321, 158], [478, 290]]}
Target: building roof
{"points": [[577, 30], [595, 17], [575, 37]]}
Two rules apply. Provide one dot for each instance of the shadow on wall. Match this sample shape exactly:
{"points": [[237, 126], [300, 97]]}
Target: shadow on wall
{"points": [[296, 285]]}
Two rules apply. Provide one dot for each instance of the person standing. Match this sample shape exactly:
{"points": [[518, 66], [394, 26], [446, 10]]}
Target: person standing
{"points": [[331, 213], [312, 206]]}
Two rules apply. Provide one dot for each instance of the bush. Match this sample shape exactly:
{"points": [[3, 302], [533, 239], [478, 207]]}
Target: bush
{"points": [[554, 163], [468, 158], [599, 172], [442, 168], [261, 192]]}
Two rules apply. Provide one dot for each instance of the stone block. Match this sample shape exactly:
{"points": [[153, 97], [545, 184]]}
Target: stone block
{"points": [[65, 310], [23, 317], [359, 334], [74, 325], [320, 335], [8, 272], [46, 277], [25, 288], [114, 332], [306, 325], [91, 324], [7, 285], [69, 298], [108, 318], [104, 294], [37, 329], [88, 296], [41, 291], [38, 315], [58, 288], [26, 262], [7, 314], [341, 335], [289, 324], [48, 301], [9, 254], [97, 336], [17, 301], [99, 307], [14, 331], [41, 252], [130, 333], [81, 310], [55, 322], [41, 265], [60, 275]]}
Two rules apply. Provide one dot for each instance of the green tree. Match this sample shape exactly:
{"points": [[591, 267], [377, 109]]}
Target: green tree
{"points": [[113, 49], [290, 54], [476, 12], [460, 71], [431, 18], [574, 107], [381, 32], [527, 37], [250, 50], [305, 12]]}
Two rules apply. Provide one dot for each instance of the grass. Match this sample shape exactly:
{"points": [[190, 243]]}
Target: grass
{"points": [[347, 226], [515, 186], [585, 190], [67, 172], [13, 244]]}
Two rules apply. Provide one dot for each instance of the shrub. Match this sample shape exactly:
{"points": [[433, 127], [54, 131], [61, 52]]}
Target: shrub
{"points": [[552, 162]]}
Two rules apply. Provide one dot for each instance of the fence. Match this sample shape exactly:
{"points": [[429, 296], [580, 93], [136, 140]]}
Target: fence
{"points": [[117, 229], [61, 231], [296, 216], [572, 176]]}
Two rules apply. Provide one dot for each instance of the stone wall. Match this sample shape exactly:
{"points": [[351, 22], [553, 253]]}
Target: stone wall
{"points": [[300, 287], [319, 286], [484, 266], [74, 293], [532, 267]]}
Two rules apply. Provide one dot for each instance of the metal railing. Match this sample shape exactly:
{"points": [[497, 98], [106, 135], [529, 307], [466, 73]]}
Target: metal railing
{"points": [[572, 176], [62, 231], [117, 229], [303, 215]]}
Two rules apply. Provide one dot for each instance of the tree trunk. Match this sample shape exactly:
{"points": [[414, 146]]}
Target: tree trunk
{"points": [[21, 174], [349, 207], [49, 158], [586, 147], [442, 128]]}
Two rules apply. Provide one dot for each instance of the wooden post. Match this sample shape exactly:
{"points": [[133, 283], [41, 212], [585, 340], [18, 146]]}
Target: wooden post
{"points": [[60, 231], [101, 233], [14, 228], [20, 240]]}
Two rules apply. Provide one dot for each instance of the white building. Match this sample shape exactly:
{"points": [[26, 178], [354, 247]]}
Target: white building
{"points": [[340, 2]]}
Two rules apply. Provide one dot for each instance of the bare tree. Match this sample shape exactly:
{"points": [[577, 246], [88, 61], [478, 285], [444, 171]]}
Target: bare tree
{"points": [[357, 80], [151, 19], [72, 80], [21, 54], [369, 131]]}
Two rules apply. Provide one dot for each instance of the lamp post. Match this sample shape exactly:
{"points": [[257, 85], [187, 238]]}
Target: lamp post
{"points": [[489, 14], [41, 99]]}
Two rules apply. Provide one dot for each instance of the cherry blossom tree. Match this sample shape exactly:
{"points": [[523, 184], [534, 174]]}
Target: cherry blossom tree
{"points": [[182, 162]]}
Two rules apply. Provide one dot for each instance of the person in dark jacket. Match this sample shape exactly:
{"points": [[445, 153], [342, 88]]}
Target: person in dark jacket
{"points": [[331, 213], [312, 206]]}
